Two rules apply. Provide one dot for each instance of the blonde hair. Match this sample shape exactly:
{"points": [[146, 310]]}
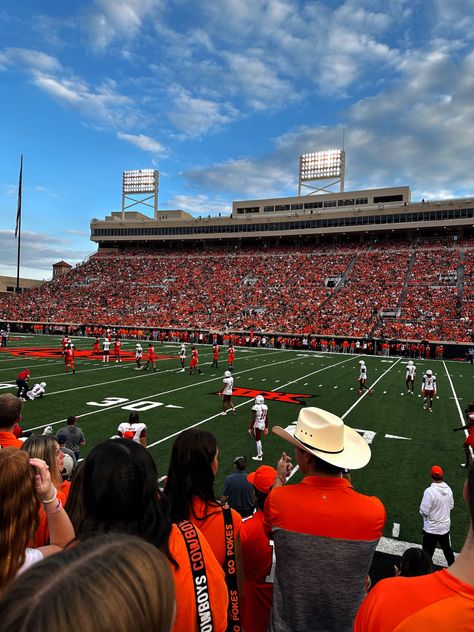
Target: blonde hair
{"points": [[19, 511], [44, 447], [110, 582]]}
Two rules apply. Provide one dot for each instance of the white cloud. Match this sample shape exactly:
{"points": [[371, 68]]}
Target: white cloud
{"points": [[29, 60], [114, 19], [199, 205], [38, 253], [143, 142], [196, 116], [418, 131]]}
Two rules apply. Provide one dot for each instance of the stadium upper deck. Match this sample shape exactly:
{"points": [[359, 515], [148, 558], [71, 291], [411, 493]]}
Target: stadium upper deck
{"points": [[285, 219]]}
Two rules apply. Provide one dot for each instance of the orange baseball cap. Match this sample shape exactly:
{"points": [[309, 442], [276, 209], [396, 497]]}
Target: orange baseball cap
{"points": [[262, 479], [436, 471]]}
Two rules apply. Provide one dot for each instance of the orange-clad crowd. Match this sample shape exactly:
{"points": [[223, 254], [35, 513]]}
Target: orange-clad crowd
{"points": [[397, 289]]}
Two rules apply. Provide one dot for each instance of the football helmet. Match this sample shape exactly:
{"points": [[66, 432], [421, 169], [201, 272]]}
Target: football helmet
{"points": [[43, 384], [260, 399], [429, 372], [227, 374], [410, 362], [361, 363]]}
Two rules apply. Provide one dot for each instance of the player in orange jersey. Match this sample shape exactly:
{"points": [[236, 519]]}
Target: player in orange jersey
{"points": [[117, 350], [194, 361], [150, 358], [230, 357], [96, 347], [69, 358], [215, 355]]}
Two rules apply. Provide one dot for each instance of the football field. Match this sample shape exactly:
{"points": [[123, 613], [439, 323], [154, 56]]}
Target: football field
{"points": [[405, 439]]}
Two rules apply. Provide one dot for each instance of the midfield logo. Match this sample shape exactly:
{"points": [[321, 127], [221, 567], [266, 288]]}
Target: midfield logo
{"points": [[275, 396]]}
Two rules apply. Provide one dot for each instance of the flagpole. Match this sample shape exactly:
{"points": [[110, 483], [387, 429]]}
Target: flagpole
{"points": [[18, 226]]}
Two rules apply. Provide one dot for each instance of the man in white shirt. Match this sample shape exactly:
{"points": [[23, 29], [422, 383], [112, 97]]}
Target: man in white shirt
{"points": [[133, 430], [259, 424], [435, 508]]}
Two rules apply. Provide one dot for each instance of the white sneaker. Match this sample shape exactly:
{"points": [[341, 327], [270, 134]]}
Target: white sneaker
{"points": [[224, 412], [257, 458], [424, 406], [430, 409]]}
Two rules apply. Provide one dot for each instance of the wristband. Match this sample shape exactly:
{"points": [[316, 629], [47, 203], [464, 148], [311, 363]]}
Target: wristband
{"points": [[52, 499], [58, 507]]}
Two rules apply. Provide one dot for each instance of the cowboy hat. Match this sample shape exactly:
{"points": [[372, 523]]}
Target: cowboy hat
{"points": [[326, 436]]}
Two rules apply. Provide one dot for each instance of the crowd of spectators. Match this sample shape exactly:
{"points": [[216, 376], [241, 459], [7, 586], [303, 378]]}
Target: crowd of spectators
{"points": [[327, 290], [120, 553]]}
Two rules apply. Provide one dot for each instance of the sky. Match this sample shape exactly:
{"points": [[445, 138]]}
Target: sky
{"points": [[222, 98]]}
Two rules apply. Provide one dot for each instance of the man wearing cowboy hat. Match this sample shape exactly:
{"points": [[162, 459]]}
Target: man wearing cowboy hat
{"points": [[325, 533]]}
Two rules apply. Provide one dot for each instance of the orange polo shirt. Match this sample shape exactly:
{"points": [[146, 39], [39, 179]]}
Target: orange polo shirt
{"points": [[436, 602]]}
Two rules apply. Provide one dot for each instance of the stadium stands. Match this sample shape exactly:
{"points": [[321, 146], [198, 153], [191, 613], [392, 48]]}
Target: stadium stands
{"points": [[393, 290]]}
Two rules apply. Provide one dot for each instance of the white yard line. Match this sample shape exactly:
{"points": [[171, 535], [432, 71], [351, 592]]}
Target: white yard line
{"points": [[456, 400], [357, 402]]}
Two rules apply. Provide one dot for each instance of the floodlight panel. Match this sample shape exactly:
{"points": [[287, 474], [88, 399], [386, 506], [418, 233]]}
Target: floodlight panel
{"points": [[322, 165], [140, 181]]}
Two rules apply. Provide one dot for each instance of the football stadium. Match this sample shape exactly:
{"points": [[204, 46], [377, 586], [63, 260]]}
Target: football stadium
{"points": [[304, 291], [237, 316]]}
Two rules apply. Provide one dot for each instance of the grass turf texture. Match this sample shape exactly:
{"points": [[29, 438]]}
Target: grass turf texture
{"points": [[397, 473]]}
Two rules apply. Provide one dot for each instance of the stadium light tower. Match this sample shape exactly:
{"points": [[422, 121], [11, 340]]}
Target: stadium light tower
{"points": [[142, 183], [319, 166]]}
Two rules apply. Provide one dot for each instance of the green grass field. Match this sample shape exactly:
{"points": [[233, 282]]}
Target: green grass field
{"points": [[170, 401]]}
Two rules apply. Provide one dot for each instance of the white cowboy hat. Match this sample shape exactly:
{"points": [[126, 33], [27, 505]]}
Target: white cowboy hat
{"points": [[326, 436]]}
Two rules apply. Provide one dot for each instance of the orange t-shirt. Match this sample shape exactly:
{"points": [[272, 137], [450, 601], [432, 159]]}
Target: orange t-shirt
{"points": [[212, 525], [42, 533], [186, 615], [436, 602], [8, 440]]}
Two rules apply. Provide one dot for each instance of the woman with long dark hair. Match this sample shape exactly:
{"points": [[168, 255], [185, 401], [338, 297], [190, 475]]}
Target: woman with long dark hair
{"points": [[120, 493], [190, 491]]}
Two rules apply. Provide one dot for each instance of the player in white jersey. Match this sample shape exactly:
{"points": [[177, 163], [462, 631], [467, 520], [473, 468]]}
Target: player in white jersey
{"points": [[363, 378], [105, 350], [410, 377], [138, 356], [182, 357], [38, 390], [227, 386], [429, 390], [259, 424], [133, 429]]}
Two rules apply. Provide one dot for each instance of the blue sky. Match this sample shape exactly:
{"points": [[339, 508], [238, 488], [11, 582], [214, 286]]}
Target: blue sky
{"points": [[222, 98]]}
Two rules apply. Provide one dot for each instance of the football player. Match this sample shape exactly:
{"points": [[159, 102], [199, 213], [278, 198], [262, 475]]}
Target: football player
{"points": [[151, 357], [194, 361], [69, 357], [363, 378], [133, 429], [228, 385], [428, 390], [117, 350], [182, 357], [38, 390], [230, 357], [410, 377], [215, 355], [259, 424], [138, 356], [106, 350]]}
